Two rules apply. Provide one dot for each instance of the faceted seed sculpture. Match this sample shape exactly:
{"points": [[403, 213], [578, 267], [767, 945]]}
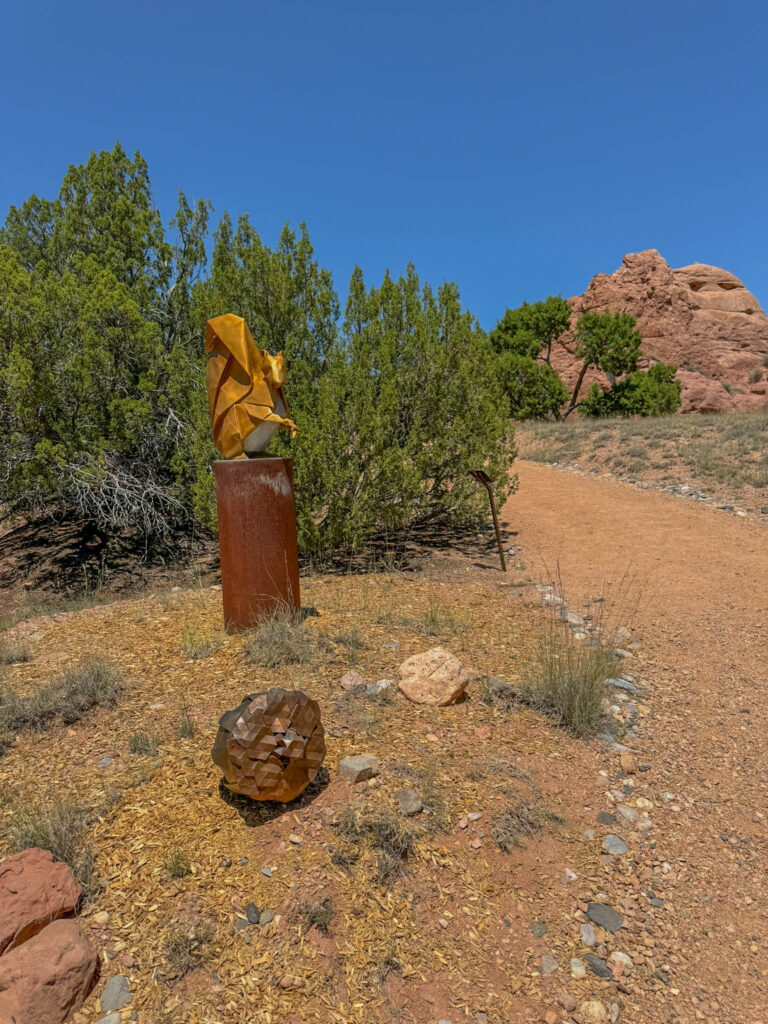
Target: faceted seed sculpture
{"points": [[271, 746]]}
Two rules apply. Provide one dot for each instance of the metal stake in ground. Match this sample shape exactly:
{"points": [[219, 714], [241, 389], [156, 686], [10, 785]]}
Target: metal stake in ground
{"points": [[482, 478]]}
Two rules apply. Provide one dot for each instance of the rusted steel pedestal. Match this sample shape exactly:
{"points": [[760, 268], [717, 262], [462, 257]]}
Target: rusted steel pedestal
{"points": [[257, 539]]}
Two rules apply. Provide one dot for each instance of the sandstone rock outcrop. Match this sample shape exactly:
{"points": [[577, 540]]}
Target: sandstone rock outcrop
{"points": [[46, 978], [47, 966], [435, 677], [34, 890], [700, 318]]}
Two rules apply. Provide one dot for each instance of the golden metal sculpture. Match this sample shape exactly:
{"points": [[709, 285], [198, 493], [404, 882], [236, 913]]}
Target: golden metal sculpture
{"points": [[245, 389], [271, 746]]}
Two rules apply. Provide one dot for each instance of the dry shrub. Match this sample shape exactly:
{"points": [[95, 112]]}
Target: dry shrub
{"points": [[144, 744], [13, 652], [68, 697], [184, 948], [197, 642], [518, 822], [177, 863], [320, 914], [58, 828], [383, 831]]}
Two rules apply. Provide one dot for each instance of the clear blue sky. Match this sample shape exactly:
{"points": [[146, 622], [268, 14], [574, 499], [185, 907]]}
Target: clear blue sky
{"points": [[514, 147]]}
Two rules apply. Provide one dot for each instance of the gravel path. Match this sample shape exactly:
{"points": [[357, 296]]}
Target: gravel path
{"points": [[701, 578]]}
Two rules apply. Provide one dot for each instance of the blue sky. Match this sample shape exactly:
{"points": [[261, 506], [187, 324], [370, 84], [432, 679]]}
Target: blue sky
{"points": [[516, 148]]}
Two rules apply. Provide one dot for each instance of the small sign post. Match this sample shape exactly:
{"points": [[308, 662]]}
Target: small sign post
{"points": [[482, 478]]}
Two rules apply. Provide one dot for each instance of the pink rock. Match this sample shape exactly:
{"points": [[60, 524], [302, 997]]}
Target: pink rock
{"points": [[435, 677], [34, 890], [700, 318], [48, 977], [352, 681]]}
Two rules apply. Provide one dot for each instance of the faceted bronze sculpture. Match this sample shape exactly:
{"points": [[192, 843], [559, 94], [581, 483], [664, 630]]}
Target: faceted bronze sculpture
{"points": [[271, 746]]}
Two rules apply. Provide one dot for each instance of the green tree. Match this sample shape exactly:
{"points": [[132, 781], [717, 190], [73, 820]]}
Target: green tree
{"points": [[95, 347], [532, 328], [605, 341], [534, 389], [651, 393]]}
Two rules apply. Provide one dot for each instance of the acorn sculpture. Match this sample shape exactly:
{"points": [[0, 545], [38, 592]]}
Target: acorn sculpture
{"points": [[271, 746]]}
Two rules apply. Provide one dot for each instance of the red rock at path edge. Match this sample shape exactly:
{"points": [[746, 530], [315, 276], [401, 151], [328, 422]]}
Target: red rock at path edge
{"points": [[34, 890]]}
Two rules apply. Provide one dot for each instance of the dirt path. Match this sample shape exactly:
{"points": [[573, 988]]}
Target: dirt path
{"points": [[703, 625]]}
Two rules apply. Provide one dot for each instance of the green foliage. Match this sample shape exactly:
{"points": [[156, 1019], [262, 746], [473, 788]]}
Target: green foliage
{"points": [[605, 341], [532, 327], [651, 393], [103, 406], [534, 389]]}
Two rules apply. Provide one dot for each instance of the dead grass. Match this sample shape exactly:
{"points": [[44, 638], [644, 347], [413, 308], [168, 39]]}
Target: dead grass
{"points": [[67, 698], [385, 833], [144, 744], [184, 948], [567, 678], [282, 639], [320, 915], [13, 652], [58, 828], [519, 821], [197, 642]]}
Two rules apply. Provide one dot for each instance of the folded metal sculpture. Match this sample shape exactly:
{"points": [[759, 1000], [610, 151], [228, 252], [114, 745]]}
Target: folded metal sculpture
{"points": [[245, 389], [271, 746]]}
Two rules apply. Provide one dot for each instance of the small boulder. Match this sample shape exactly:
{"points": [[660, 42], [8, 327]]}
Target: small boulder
{"points": [[34, 890], [604, 916], [352, 681], [409, 801], [615, 845], [48, 977], [359, 768], [435, 678]]}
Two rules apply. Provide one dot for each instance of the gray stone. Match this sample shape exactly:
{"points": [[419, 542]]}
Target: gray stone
{"points": [[266, 916], [604, 818], [623, 684], [615, 845], [359, 768], [604, 916], [474, 816], [225, 862], [409, 802], [392, 645], [111, 1018], [588, 936], [252, 913], [621, 653], [539, 928], [628, 813], [578, 968], [267, 872], [501, 690], [105, 762], [548, 965], [116, 994], [241, 924], [598, 966], [379, 687]]}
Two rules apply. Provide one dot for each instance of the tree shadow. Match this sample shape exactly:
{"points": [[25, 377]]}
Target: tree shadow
{"points": [[261, 812]]}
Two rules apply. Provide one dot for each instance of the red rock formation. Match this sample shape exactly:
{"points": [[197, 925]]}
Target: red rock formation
{"points": [[48, 977], [33, 891], [700, 318]]}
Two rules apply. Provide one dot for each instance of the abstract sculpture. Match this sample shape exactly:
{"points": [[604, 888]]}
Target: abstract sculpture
{"points": [[245, 389], [271, 746]]}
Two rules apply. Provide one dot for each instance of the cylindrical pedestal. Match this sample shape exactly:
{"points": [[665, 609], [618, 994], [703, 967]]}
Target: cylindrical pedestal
{"points": [[257, 539]]}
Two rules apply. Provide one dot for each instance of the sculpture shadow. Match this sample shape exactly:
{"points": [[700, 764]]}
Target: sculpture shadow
{"points": [[261, 812]]}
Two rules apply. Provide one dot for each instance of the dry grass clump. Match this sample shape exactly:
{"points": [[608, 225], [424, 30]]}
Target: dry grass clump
{"points": [[177, 863], [58, 828], [144, 744], [68, 697], [384, 832], [281, 639], [184, 948], [567, 679], [518, 822], [13, 652], [187, 729], [197, 642]]}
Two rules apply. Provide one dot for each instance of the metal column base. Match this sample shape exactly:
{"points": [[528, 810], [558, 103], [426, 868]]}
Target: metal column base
{"points": [[257, 539]]}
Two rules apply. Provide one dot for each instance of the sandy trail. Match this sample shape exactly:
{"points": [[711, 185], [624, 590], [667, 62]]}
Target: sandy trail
{"points": [[702, 618]]}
